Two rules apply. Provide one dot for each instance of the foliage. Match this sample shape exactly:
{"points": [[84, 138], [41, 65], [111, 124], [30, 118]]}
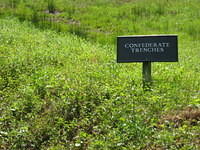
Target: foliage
{"points": [[51, 6], [102, 20], [58, 91]]}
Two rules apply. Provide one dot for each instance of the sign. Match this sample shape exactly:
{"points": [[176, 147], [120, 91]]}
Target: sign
{"points": [[147, 48]]}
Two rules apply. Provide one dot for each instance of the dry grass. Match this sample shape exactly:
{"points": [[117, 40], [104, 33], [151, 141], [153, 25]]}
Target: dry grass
{"points": [[189, 114]]}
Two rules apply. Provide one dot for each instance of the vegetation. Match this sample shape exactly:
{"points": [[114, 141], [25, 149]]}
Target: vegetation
{"points": [[60, 91], [103, 20]]}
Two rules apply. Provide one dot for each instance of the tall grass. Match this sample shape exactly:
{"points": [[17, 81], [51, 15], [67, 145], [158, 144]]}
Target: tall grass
{"points": [[102, 21], [13, 3], [51, 6]]}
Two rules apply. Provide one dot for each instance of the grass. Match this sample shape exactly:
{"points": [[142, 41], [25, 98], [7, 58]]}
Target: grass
{"points": [[61, 88], [59, 91], [101, 21]]}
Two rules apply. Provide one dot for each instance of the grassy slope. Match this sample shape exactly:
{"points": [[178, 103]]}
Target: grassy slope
{"points": [[103, 20], [59, 92]]}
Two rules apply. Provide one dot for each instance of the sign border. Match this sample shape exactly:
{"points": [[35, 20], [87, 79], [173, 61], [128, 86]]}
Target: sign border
{"points": [[143, 36]]}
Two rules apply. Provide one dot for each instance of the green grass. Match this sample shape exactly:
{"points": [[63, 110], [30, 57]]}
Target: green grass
{"points": [[102, 20], [58, 91], [65, 91]]}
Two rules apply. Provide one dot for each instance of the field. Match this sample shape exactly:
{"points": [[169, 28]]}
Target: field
{"points": [[61, 88], [102, 20]]}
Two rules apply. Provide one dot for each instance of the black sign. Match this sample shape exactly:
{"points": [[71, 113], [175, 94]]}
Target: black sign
{"points": [[152, 48]]}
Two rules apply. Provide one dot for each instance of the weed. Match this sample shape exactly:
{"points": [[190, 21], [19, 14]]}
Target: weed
{"points": [[51, 6], [59, 91]]}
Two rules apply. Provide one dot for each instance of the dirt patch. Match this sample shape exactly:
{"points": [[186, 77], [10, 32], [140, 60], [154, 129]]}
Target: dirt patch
{"points": [[126, 1], [73, 22], [189, 114], [54, 13]]}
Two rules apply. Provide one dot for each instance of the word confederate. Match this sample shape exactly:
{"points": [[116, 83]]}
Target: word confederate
{"points": [[147, 47]]}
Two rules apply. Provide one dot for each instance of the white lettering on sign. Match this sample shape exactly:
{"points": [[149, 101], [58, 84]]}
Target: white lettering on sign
{"points": [[147, 47]]}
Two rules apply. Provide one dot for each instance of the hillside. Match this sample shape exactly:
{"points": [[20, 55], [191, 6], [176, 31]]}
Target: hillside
{"points": [[61, 88], [58, 91], [102, 20]]}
